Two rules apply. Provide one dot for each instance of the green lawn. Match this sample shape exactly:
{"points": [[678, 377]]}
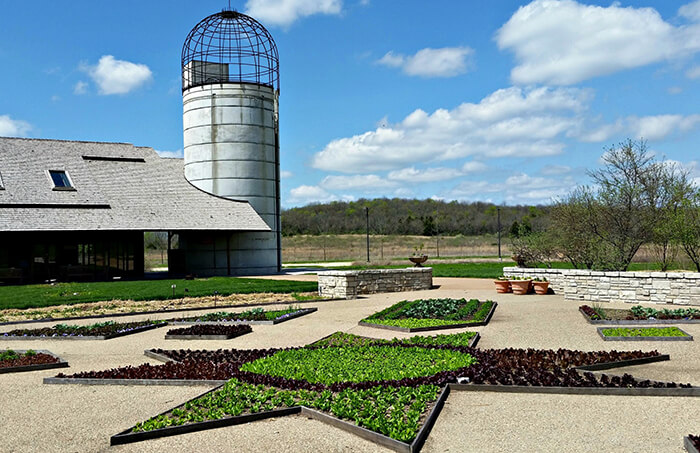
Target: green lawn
{"points": [[34, 296], [467, 270], [490, 270]]}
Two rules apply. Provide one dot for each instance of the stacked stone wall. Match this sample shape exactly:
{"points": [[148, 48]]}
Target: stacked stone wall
{"points": [[349, 284], [681, 288]]}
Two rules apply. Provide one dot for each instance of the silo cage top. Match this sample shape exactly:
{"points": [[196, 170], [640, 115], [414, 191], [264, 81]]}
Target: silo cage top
{"points": [[229, 47]]}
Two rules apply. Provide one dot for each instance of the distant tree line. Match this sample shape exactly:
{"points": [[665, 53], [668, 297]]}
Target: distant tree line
{"points": [[636, 200], [397, 216]]}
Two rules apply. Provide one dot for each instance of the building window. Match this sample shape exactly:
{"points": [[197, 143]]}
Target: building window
{"points": [[60, 180]]}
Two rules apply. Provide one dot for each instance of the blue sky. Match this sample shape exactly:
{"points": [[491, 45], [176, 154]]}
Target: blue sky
{"points": [[508, 101]]}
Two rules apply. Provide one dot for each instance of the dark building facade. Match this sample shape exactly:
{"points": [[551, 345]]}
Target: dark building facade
{"points": [[74, 210]]}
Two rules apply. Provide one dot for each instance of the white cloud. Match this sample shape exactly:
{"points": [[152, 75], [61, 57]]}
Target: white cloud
{"points": [[309, 194], [114, 76], [474, 167], [675, 89], [654, 127], [178, 154], [515, 189], [284, 174], [564, 42], [285, 12], [555, 170], [356, 182], [602, 133], [411, 174], [473, 190], [691, 11], [13, 128], [80, 87], [660, 126], [693, 73], [509, 122], [443, 62]]}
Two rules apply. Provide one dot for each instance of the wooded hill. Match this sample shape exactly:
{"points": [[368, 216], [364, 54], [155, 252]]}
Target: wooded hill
{"points": [[409, 217]]}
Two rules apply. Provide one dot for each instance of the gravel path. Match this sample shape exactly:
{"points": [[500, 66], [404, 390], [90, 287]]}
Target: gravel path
{"points": [[76, 418]]}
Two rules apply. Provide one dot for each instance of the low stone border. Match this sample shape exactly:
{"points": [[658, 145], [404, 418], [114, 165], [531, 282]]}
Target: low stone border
{"points": [[688, 444], [688, 337], [427, 329], [637, 322], [302, 312], [127, 436], [632, 391], [85, 337], [95, 381], [631, 287], [39, 366], [348, 284]]}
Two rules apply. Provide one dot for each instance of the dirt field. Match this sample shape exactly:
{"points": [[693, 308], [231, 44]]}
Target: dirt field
{"points": [[353, 247]]}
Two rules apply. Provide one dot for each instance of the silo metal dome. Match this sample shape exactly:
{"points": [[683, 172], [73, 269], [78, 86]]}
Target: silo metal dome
{"points": [[229, 47]]}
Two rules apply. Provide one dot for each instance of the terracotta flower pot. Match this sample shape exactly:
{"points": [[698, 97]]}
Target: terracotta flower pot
{"points": [[503, 286], [520, 286], [541, 287]]}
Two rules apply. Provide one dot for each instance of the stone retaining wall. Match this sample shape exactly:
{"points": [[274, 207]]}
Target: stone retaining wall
{"points": [[682, 288], [348, 284]]}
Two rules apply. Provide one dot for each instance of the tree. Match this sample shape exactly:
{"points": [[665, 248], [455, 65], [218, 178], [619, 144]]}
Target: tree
{"points": [[533, 248], [573, 232], [629, 186], [675, 190], [687, 226]]}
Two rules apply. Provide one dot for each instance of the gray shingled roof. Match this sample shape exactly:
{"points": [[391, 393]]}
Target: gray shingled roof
{"points": [[109, 195]]}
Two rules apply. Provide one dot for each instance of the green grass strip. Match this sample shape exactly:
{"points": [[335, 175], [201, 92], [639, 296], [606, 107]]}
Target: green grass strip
{"points": [[644, 332], [34, 296]]}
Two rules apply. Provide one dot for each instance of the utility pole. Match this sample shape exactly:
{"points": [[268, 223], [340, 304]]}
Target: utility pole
{"points": [[437, 232], [367, 217], [498, 210]]}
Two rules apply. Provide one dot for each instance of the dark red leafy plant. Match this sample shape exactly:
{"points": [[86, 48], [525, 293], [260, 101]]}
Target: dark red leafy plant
{"points": [[695, 440], [210, 329], [24, 360]]}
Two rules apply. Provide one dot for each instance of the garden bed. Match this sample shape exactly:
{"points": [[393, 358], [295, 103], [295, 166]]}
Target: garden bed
{"points": [[465, 339], [389, 390], [639, 315], [99, 310], [29, 360], [432, 314], [643, 334], [256, 316], [100, 331], [692, 443], [208, 332], [615, 390]]}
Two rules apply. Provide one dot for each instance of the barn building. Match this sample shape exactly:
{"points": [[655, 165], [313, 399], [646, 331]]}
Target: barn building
{"points": [[73, 210]]}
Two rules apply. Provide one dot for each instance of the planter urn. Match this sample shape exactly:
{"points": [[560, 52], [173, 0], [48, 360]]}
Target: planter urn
{"points": [[520, 286], [503, 286], [418, 260], [541, 287]]}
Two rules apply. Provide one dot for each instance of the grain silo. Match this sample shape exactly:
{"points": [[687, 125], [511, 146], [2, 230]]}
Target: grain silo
{"points": [[230, 92]]}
